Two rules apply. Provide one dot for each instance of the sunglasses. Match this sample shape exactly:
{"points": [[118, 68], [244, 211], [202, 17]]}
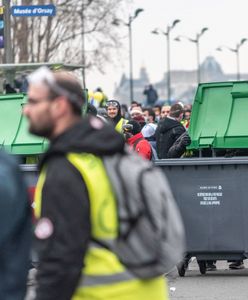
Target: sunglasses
{"points": [[112, 103], [44, 75]]}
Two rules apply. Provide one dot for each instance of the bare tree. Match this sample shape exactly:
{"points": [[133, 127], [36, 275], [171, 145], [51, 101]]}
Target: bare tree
{"points": [[81, 32]]}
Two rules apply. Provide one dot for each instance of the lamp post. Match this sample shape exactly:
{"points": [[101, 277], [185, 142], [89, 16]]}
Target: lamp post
{"points": [[8, 50], [83, 43], [167, 34], [129, 25], [236, 51], [195, 40]]}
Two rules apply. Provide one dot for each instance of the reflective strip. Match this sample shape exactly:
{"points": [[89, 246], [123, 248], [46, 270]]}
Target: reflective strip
{"points": [[86, 280], [100, 243]]}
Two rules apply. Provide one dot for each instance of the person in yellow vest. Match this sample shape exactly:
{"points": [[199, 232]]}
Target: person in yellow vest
{"points": [[114, 113], [74, 202], [100, 97]]}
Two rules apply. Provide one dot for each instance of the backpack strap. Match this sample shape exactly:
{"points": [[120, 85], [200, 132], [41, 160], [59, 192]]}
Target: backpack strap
{"points": [[154, 153], [147, 211], [136, 142]]}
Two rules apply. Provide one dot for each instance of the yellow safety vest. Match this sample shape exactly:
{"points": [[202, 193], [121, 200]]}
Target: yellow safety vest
{"points": [[119, 125], [104, 277], [31, 160]]}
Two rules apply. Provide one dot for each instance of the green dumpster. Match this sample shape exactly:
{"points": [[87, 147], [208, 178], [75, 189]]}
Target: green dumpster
{"points": [[14, 135], [219, 117]]}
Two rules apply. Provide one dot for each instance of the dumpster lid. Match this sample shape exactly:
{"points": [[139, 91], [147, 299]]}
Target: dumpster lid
{"points": [[219, 116], [29, 67], [14, 135]]}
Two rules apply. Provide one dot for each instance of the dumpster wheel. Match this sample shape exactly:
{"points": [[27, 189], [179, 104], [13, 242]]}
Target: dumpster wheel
{"points": [[182, 267], [181, 271], [202, 266]]}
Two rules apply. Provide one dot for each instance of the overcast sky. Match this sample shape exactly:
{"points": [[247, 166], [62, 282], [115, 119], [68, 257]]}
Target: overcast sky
{"points": [[227, 21]]}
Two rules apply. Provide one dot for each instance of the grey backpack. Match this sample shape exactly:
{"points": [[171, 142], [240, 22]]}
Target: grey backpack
{"points": [[151, 234]]}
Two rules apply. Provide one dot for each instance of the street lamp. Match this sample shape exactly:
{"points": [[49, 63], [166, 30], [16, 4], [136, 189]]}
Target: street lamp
{"points": [[195, 40], [8, 49], [236, 51], [129, 25], [83, 43], [167, 34], [83, 14]]}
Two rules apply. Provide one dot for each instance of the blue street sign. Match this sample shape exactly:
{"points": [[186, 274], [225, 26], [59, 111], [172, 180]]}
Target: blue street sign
{"points": [[1, 28], [33, 10]]}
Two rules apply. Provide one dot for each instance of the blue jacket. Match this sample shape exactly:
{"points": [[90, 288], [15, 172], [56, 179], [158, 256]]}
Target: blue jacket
{"points": [[15, 233]]}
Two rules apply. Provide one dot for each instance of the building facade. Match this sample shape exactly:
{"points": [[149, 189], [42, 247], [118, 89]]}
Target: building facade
{"points": [[183, 83]]}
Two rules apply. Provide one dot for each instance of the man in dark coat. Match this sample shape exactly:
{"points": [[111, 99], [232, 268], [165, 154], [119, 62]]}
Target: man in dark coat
{"points": [[151, 95], [168, 134]]}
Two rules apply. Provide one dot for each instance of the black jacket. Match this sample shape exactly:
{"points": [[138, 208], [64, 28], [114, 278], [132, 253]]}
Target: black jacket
{"points": [[151, 95], [167, 132], [15, 232], [65, 203]]}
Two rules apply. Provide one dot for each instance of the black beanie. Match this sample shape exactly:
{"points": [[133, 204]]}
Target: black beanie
{"points": [[136, 127]]}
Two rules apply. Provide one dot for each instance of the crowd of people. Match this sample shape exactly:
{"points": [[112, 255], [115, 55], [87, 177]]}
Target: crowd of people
{"points": [[155, 132]]}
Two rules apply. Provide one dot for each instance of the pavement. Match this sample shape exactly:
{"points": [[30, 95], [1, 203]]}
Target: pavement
{"points": [[222, 284]]}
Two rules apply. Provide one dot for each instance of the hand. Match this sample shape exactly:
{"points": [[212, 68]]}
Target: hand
{"points": [[185, 139]]}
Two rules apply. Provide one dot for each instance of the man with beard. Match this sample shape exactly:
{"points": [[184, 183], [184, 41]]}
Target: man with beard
{"points": [[114, 114], [74, 201]]}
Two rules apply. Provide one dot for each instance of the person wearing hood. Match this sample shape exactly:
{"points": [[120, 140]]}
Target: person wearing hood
{"points": [[74, 202], [136, 140], [148, 132], [168, 133], [114, 112]]}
